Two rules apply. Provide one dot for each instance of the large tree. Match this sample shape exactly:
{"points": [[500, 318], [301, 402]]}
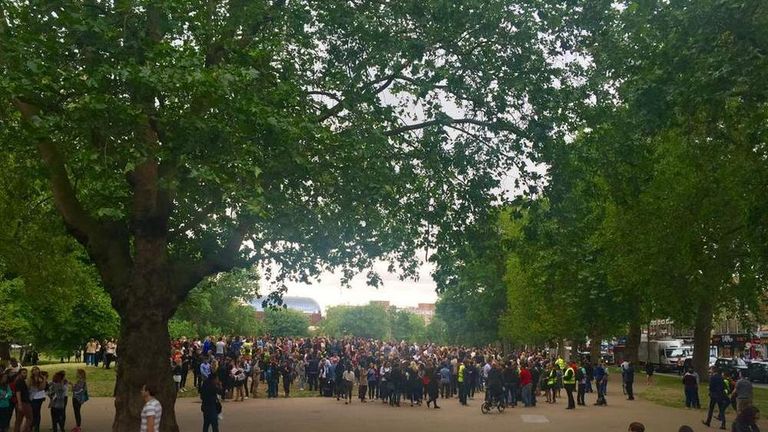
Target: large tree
{"points": [[184, 138]]}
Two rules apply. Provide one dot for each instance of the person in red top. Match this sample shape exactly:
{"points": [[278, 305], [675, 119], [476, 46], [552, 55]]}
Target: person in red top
{"points": [[526, 385]]}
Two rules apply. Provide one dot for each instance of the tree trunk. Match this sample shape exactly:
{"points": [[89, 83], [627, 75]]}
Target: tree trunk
{"points": [[702, 337], [5, 350], [144, 358], [594, 346], [633, 341]]}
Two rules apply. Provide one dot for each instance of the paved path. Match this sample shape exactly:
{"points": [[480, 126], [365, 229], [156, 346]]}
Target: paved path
{"points": [[324, 414]]}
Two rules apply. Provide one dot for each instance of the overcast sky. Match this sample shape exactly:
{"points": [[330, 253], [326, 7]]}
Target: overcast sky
{"points": [[330, 292]]}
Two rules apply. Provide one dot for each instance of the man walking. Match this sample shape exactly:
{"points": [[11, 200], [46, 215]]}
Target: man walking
{"points": [[629, 380], [717, 397]]}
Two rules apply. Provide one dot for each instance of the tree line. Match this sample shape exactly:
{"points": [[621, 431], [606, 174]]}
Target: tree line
{"points": [[654, 205]]}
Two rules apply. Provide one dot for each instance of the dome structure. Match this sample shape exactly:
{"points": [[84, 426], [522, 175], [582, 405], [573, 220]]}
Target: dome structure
{"points": [[306, 305]]}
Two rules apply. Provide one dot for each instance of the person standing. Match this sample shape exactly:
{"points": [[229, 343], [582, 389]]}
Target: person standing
{"points": [[109, 353], [551, 379], [649, 373], [581, 383], [23, 402], [58, 392], [569, 382], [5, 403], [691, 389], [90, 352], [348, 384], [433, 386], [361, 377], [717, 397], [79, 397], [460, 380], [37, 386], [210, 405], [629, 381], [526, 386], [152, 413], [445, 381], [600, 375], [373, 382], [743, 392]]}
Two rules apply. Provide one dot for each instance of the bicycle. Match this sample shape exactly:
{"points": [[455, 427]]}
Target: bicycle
{"points": [[492, 402]]}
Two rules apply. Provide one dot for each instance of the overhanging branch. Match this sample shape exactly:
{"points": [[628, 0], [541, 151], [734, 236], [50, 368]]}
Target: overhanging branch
{"points": [[495, 126], [79, 222]]}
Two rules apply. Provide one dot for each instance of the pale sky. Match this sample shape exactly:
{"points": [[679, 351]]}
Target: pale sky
{"points": [[328, 291]]}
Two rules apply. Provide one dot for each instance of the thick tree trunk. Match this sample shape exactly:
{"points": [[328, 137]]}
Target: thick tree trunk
{"points": [[702, 337], [633, 341], [143, 358]]}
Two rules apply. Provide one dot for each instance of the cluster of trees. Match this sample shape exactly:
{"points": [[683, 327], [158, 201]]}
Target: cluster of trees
{"points": [[654, 206], [374, 321]]}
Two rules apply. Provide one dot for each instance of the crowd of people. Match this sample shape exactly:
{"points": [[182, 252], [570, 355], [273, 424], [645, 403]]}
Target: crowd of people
{"points": [[351, 369], [393, 373], [23, 392]]}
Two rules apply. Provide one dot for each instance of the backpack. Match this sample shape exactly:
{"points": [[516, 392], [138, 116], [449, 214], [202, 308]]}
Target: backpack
{"points": [[580, 374]]}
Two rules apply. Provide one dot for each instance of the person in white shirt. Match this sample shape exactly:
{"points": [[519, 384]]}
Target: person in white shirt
{"points": [[152, 412], [349, 383]]}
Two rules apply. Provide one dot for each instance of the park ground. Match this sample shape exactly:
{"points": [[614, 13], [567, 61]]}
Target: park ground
{"points": [[657, 406]]}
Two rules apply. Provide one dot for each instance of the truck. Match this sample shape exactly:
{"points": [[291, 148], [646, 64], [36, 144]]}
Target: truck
{"points": [[663, 354]]}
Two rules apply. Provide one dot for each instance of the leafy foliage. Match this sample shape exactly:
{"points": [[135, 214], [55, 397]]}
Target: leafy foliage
{"points": [[220, 305], [285, 322], [370, 321]]}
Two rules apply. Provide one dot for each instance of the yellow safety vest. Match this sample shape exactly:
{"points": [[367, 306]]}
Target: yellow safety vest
{"points": [[569, 377]]}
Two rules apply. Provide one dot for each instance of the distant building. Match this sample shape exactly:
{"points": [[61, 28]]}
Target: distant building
{"points": [[425, 310], [383, 303], [306, 305]]}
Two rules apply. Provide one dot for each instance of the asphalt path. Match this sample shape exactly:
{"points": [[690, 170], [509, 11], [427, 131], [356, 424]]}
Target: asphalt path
{"points": [[327, 415]]}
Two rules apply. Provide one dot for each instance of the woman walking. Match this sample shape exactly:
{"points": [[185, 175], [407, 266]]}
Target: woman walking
{"points": [[79, 397]]}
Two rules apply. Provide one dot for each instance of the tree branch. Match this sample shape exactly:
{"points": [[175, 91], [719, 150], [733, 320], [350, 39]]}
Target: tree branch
{"points": [[386, 82], [189, 273], [78, 221], [451, 121]]}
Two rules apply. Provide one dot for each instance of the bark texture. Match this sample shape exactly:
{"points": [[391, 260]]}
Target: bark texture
{"points": [[143, 353], [633, 342], [594, 346], [702, 335]]}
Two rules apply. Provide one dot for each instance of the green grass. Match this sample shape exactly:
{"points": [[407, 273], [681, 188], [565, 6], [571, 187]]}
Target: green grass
{"points": [[101, 382], [668, 391]]}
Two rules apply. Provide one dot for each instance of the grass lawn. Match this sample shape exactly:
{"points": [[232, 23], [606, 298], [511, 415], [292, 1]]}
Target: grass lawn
{"points": [[668, 391], [101, 382]]}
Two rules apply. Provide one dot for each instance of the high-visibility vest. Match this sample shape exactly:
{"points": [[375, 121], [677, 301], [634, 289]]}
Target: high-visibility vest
{"points": [[570, 376], [552, 377], [461, 373]]}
